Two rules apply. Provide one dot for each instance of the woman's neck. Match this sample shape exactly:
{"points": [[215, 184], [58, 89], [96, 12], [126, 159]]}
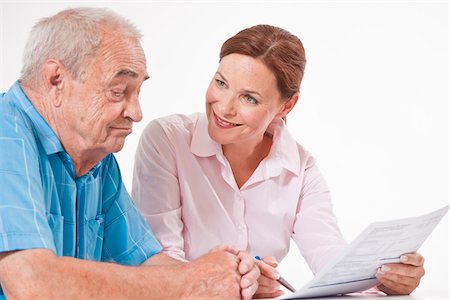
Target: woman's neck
{"points": [[245, 158]]}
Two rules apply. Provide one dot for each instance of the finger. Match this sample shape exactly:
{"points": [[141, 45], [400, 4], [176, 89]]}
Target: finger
{"points": [[271, 261], [414, 259], [267, 290], [392, 287], [267, 283], [247, 263], [395, 284], [403, 270], [248, 292], [268, 270], [268, 295], [387, 290], [250, 277], [399, 279]]}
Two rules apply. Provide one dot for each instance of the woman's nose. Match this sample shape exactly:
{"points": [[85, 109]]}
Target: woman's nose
{"points": [[227, 106]]}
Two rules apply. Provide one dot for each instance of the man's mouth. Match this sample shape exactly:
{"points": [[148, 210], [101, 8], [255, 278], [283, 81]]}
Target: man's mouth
{"points": [[124, 129]]}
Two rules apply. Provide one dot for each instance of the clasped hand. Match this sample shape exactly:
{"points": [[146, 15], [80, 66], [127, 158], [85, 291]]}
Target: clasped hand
{"points": [[248, 270]]}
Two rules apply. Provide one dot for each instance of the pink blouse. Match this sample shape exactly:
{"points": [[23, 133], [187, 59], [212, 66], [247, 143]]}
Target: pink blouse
{"points": [[184, 187]]}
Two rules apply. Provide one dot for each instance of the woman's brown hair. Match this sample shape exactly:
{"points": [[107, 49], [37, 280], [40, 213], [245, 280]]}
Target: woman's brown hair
{"points": [[281, 51]]}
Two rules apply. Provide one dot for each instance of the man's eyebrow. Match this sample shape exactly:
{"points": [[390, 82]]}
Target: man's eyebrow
{"points": [[127, 72], [130, 73]]}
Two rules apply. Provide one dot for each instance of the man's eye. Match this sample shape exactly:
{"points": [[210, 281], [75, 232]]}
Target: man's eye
{"points": [[117, 94]]}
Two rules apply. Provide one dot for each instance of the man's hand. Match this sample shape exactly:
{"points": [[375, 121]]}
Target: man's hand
{"points": [[39, 274], [268, 284], [211, 276], [401, 278]]}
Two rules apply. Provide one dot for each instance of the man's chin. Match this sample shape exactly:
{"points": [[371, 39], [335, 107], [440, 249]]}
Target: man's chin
{"points": [[116, 147]]}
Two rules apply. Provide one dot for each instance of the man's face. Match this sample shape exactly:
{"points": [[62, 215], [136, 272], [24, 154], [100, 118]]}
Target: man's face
{"points": [[98, 112]]}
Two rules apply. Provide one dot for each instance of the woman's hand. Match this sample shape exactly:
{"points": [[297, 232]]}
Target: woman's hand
{"points": [[248, 269], [268, 286], [401, 278]]}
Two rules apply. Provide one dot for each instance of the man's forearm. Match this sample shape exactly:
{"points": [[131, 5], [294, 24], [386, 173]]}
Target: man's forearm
{"points": [[40, 274], [162, 259]]}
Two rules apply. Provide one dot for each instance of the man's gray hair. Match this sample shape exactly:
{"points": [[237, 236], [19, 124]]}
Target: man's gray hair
{"points": [[73, 37]]}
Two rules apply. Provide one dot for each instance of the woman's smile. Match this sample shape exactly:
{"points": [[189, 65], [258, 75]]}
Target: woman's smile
{"points": [[224, 124]]}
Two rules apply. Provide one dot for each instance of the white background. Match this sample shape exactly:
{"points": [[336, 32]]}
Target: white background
{"points": [[373, 107]]}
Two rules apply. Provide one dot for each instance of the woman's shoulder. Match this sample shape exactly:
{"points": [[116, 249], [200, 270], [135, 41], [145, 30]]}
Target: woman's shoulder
{"points": [[178, 119], [295, 150], [173, 126]]}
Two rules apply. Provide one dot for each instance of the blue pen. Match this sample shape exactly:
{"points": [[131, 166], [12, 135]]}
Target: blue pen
{"points": [[281, 280]]}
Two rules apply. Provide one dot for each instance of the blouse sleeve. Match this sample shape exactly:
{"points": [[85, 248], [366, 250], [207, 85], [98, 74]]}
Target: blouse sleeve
{"points": [[316, 231], [156, 188]]}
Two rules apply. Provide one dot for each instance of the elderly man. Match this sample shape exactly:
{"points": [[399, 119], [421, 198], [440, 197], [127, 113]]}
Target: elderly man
{"points": [[68, 227]]}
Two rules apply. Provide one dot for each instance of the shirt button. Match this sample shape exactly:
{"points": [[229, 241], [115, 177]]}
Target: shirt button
{"points": [[241, 227]]}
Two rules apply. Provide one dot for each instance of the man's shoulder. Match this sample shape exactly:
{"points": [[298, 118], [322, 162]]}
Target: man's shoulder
{"points": [[19, 151], [8, 109], [14, 123]]}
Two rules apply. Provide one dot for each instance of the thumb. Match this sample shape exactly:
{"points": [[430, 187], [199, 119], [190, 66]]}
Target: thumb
{"points": [[271, 261]]}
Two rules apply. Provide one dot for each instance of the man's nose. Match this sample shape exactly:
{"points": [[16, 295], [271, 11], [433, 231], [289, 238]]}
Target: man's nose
{"points": [[133, 109]]}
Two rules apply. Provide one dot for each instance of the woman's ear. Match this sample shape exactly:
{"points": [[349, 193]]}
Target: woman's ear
{"points": [[287, 106], [53, 73]]}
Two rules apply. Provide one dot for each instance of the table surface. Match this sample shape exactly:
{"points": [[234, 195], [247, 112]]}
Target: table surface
{"points": [[432, 295]]}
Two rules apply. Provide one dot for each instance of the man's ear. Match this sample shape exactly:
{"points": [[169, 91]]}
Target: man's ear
{"points": [[287, 106], [53, 73]]}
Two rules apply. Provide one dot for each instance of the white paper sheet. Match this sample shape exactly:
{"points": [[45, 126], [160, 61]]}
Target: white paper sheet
{"points": [[354, 269]]}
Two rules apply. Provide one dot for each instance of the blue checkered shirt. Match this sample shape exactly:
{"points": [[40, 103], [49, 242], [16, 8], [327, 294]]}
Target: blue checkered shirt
{"points": [[44, 205]]}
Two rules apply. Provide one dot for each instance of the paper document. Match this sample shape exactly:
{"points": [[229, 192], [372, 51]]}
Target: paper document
{"points": [[354, 269]]}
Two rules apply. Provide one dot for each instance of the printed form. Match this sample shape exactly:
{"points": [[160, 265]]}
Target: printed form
{"points": [[354, 269]]}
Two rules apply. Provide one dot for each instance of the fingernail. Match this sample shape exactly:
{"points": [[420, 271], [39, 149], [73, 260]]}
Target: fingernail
{"points": [[272, 260], [404, 258], [385, 268], [276, 275]]}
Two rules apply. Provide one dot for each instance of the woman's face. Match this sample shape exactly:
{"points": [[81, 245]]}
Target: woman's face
{"points": [[242, 100]]}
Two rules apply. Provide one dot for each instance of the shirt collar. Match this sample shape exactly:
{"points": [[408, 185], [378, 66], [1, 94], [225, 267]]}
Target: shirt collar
{"points": [[284, 149], [43, 131], [202, 145], [283, 154]]}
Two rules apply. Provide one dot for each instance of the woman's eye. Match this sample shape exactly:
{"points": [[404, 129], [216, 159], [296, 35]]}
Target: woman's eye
{"points": [[250, 99], [220, 82]]}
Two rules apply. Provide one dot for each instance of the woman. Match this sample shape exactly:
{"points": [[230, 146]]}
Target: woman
{"points": [[236, 176]]}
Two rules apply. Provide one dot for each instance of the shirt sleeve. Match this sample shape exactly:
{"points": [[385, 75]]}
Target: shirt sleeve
{"points": [[128, 239], [23, 220], [316, 231], [156, 188]]}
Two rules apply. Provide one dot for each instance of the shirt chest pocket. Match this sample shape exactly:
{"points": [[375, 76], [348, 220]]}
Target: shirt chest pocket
{"points": [[91, 243], [56, 223]]}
